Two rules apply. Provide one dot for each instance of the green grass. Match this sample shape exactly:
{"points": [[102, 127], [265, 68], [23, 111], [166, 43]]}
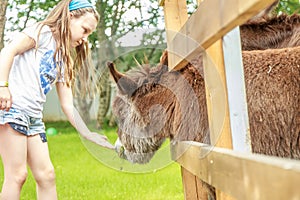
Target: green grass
{"points": [[81, 175]]}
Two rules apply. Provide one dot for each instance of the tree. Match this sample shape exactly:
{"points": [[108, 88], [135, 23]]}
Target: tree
{"points": [[3, 5], [113, 26], [288, 7]]}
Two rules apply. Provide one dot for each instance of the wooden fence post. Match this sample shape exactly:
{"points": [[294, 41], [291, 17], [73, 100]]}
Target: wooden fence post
{"points": [[175, 13], [236, 91], [219, 128]]}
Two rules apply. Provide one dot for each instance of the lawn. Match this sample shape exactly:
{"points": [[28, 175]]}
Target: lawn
{"points": [[85, 172]]}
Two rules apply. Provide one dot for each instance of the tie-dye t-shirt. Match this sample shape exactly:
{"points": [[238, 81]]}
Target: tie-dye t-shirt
{"points": [[33, 73]]}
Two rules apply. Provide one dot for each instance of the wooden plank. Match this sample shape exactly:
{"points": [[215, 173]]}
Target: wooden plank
{"points": [[216, 96], [193, 187], [236, 91], [242, 175], [199, 1], [161, 2], [212, 20], [175, 12], [216, 100]]}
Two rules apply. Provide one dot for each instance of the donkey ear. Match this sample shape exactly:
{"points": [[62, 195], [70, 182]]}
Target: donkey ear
{"points": [[164, 58], [125, 84]]}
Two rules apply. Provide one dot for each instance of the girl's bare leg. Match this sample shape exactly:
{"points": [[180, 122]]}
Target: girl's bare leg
{"points": [[13, 151], [42, 168]]}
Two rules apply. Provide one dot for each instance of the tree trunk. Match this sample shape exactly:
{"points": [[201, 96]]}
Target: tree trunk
{"points": [[104, 53], [104, 98], [3, 5]]}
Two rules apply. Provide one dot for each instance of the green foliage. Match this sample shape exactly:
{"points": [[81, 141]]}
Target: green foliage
{"points": [[288, 6], [28, 11], [122, 18]]}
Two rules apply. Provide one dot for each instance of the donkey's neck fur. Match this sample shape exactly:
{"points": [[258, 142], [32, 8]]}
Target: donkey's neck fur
{"points": [[271, 33]]}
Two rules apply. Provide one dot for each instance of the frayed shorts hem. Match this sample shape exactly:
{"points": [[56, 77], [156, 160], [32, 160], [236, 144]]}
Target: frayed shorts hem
{"points": [[21, 122]]}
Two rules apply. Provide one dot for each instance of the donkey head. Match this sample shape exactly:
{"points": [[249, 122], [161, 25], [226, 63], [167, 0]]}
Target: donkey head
{"points": [[154, 103], [141, 113]]}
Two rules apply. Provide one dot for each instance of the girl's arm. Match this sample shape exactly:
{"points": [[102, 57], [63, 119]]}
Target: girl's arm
{"points": [[19, 45], [66, 100]]}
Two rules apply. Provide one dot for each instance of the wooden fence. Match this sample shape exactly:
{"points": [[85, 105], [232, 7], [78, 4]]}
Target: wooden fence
{"points": [[229, 165]]}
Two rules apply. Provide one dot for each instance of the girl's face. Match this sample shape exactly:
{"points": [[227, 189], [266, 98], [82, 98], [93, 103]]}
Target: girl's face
{"points": [[81, 28]]}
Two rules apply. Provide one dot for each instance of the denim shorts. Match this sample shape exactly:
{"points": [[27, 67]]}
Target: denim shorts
{"points": [[23, 123]]}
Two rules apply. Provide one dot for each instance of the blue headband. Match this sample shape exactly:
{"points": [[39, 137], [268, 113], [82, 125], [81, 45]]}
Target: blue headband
{"points": [[77, 4]]}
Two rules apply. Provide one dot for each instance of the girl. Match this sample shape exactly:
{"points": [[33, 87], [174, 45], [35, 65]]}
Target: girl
{"points": [[30, 64]]}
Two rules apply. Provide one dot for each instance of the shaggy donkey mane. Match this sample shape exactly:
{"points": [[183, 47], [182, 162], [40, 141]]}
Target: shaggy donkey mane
{"points": [[271, 33]]}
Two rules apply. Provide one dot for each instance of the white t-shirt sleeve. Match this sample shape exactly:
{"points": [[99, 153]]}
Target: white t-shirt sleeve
{"points": [[40, 35]]}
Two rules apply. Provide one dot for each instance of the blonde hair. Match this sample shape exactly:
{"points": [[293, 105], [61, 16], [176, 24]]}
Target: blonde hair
{"points": [[75, 62]]}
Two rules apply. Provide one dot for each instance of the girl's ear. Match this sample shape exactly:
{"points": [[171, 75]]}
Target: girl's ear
{"points": [[71, 15]]}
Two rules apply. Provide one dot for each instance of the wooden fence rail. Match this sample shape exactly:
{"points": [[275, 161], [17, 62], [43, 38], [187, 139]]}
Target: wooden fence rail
{"points": [[242, 175]]}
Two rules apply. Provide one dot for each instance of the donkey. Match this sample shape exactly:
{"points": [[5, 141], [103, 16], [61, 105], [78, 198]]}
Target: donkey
{"points": [[148, 102], [154, 104], [271, 33]]}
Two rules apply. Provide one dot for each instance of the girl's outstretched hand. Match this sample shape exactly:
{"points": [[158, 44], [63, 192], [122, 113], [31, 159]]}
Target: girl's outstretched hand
{"points": [[99, 139]]}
